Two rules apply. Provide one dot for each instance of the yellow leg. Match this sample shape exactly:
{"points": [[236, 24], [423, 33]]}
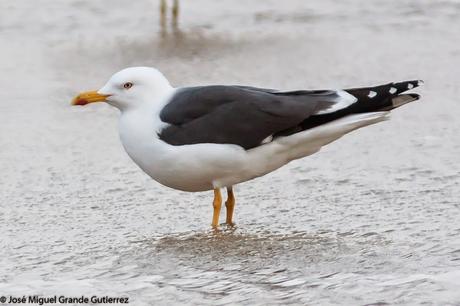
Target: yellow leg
{"points": [[163, 7], [217, 204], [230, 205], [175, 13]]}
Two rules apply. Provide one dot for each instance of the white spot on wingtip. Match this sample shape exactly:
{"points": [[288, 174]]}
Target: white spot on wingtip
{"points": [[393, 90], [372, 94], [267, 140], [420, 82], [410, 86]]}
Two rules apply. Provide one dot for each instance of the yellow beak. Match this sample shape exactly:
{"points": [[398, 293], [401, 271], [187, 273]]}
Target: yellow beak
{"points": [[88, 97]]}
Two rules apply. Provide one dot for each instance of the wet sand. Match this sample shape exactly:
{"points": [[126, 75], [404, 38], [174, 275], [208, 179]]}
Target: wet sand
{"points": [[373, 218]]}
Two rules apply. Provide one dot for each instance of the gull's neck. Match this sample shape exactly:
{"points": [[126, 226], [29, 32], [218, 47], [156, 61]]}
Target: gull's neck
{"points": [[140, 125]]}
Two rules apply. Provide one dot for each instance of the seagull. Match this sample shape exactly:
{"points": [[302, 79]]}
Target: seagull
{"points": [[213, 137]]}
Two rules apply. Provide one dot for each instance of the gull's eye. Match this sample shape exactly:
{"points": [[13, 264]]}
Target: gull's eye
{"points": [[127, 85]]}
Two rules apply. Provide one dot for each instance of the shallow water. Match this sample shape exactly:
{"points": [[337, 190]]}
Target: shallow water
{"points": [[372, 219]]}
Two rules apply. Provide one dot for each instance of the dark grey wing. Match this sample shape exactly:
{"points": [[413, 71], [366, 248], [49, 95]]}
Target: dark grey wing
{"points": [[239, 115]]}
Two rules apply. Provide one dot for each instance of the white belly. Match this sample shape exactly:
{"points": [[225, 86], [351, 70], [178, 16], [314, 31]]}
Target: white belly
{"points": [[201, 167], [196, 167]]}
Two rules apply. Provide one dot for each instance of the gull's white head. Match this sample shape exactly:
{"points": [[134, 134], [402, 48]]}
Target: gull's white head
{"points": [[129, 88]]}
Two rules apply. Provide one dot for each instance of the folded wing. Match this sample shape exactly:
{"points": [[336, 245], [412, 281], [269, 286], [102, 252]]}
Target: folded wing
{"points": [[240, 115]]}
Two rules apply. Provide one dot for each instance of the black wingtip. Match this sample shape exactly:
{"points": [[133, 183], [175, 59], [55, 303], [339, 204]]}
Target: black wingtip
{"points": [[400, 87]]}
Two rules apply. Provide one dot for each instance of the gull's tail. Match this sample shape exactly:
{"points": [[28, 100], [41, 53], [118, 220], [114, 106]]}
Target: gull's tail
{"points": [[400, 100]]}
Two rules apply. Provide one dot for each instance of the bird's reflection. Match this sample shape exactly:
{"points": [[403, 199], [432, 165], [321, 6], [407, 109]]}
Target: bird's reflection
{"points": [[164, 16]]}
